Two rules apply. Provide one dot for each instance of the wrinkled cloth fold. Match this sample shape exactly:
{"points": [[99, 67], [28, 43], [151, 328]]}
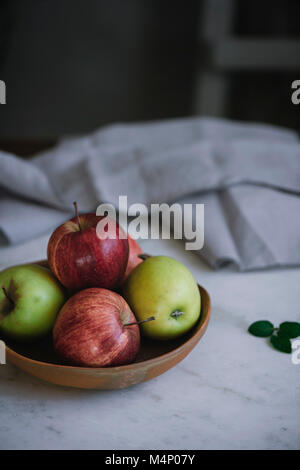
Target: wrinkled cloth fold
{"points": [[246, 175]]}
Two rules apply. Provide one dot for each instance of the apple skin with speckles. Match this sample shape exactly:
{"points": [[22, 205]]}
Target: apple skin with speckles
{"points": [[30, 299], [133, 259], [80, 259], [164, 288], [91, 331]]}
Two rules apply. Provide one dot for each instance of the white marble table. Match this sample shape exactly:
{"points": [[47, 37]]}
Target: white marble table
{"points": [[232, 392]]}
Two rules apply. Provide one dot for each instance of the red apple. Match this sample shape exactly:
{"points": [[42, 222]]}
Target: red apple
{"points": [[80, 259], [133, 260], [91, 330]]}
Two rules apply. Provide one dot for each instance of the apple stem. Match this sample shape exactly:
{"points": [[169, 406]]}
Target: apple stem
{"points": [[139, 322], [143, 256], [77, 214], [176, 313], [7, 296]]}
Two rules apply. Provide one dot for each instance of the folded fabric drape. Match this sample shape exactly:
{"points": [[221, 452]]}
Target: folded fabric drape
{"points": [[247, 175]]}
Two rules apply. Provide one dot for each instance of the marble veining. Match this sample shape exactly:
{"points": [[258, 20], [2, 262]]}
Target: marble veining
{"points": [[233, 391]]}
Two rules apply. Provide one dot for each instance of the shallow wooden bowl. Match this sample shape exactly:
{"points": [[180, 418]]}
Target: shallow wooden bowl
{"points": [[154, 358]]}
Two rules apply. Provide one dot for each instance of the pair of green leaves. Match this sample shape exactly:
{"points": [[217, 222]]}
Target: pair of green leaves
{"points": [[280, 337]]}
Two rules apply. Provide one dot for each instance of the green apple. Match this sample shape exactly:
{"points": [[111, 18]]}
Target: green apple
{"points": [[164, 288], [30, 299]]}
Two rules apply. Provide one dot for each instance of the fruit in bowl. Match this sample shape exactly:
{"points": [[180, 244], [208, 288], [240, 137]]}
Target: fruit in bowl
{"points": [[164, 288], [30, 299], [79, 258], [154, 359], [96, 328]]}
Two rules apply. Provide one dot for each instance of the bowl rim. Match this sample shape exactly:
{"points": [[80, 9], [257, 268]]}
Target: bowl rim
{"points": [[203, 325]]}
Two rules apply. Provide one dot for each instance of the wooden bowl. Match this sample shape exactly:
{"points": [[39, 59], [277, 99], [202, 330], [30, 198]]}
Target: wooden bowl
{"points": [[154, 358]]}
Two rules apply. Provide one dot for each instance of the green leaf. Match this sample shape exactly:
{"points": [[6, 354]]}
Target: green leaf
{"points": [[289, 329], [261, 328], [281, 343]]}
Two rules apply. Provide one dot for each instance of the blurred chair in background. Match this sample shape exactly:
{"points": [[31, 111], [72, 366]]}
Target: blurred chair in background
{"points": [[73, 66], [243, 44]]}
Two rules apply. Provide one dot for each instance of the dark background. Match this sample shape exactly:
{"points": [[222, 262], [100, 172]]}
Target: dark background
{"points": [[72, 66]]}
